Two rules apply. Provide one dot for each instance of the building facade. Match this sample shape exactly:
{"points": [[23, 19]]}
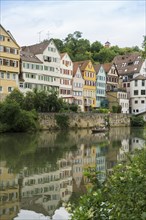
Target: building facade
{"points": [[100, 85], [138, 94], [77, 86], [66, 75], [49, 60], [9, 63], [89, 88]]}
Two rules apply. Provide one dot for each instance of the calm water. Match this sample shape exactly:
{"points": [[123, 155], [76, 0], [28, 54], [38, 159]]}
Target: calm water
{"points": [[38, 172]]}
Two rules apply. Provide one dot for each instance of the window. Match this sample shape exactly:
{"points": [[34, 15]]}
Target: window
{"points": [[135, 92], [142, 101], [136, 101], [1, 48], [135, 82], [14, 76], [143, 83], [2, 38], [1, 88], [21, 85], [136, 62], [2, 75], [10, 89], [8, 75], [142, 92]]}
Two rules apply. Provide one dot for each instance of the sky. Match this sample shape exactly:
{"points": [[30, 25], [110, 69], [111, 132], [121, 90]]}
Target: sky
{"points": [[121, 22]]}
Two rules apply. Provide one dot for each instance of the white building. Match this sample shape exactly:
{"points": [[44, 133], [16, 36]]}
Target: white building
{"points": [[77, 86], [138, 94], [123, 101], [66, 74], [44, 70]]}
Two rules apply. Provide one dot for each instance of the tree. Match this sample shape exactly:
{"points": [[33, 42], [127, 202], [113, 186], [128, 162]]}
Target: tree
{"points": [[16, 96], [144, 47], [121, 197], [105, 55]]}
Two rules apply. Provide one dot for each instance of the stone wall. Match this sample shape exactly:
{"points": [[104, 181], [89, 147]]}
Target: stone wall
{"points": [[85, 120]]}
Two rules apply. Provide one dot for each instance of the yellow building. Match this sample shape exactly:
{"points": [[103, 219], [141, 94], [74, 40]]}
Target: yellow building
{"points": [[89, 88], [9, 63], [9, 193]]}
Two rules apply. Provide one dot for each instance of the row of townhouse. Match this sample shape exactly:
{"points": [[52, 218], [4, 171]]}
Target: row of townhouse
{"points": [[42, 66]]}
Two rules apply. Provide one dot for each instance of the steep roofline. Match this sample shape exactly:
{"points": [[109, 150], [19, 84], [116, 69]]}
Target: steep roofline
{"points": [[10, 35]]}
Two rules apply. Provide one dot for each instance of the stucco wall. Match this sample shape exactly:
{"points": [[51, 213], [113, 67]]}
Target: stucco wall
{"points": [[85, 120]]}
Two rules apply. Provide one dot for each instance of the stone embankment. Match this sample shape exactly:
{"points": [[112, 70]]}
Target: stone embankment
{"points": [[85, 120]]}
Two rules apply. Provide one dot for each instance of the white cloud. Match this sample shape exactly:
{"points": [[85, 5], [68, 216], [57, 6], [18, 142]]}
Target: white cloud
{"points": [[120, 22]]}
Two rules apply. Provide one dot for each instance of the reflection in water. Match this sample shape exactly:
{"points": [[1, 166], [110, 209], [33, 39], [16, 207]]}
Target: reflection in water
{"points": [[38, 172]]}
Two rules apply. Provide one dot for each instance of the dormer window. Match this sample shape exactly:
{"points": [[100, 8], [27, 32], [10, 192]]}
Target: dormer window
{"points": [[46, 58], [123, 64], [136, 62]]}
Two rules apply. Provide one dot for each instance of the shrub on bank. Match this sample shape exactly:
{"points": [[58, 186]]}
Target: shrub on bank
{"points": [[13, 118], [137, 121], [121, 197]]}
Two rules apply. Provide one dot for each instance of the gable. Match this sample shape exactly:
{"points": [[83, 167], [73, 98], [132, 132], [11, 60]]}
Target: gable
{"points": [[10, 39], [78, 73], [89, 67]]}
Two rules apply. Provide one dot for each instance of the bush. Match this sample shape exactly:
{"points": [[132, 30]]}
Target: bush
{"points": [[13, 118], [116, 109], [121, 197], [25, 121], [62, 121], [137, 121]]}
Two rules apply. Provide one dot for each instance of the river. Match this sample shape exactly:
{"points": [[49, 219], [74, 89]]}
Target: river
{"points": [[42, 171]]}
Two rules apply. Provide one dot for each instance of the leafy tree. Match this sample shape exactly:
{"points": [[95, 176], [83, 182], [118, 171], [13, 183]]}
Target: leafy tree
{"points": [[121, 197], [144, 47], [137, 121], [15, 96], [59, 44], [105, 55], [29, 103]]}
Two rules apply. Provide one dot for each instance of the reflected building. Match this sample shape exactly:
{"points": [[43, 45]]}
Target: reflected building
{"points": [[89, 160], [44, 190], [100, 164], [123, 150], [137, 143], [9, 193], [78, 184]]}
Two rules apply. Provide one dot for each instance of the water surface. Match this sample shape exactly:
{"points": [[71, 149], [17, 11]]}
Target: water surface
{"points": [[39, 172]]}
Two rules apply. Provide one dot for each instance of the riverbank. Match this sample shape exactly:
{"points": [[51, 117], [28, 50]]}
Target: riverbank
{"points": [[48, 121]]}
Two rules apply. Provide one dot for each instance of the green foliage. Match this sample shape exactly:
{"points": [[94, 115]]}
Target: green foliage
{"points": [[116, 109], [13, 118], [144, 47], [25, 121], [80, 49], [101, 110], [15, 96], [121, 197], [137, 121], [62, 121]]}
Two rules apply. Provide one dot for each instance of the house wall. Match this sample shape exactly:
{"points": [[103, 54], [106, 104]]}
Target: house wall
{"points": [[138, 101], [100, 87], [8, 72], [89, 91], [52, 52], [77, 86], [66, 75], [32, 77]]}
